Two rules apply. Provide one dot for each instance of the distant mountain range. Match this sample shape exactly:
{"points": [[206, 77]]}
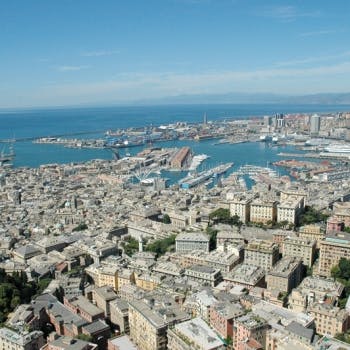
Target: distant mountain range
{"points": [[251, 98]]}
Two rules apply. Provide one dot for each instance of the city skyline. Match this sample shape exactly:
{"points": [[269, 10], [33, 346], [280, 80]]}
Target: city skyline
{"points": [[84, 52]]}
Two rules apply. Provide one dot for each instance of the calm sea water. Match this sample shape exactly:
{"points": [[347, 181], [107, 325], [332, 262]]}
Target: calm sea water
{"points": [[50, 122]]}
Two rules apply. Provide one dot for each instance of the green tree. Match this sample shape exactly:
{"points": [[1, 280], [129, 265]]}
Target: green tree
{"points": [[220, 215], [344, 337], [81, 227], [15, 290], [212, 237], [161, 246], [312, 216], [341, 273], [85, 337], [130, 245], [15, 302], [223, 216], [166, 219]]}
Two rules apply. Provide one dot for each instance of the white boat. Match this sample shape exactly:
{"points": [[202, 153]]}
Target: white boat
{"points": [[265, 138], [197, 160], [337, 148]]}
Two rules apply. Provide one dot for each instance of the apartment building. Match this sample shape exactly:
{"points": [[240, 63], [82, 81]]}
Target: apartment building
{"points": [[81, 306], [104, 275], [193, 334], [285, 275], [125, 277], [240, 206], [225, 261], [302, 248], [263, 210], [222, 315], [261, 253], [332, 248], [149, 321], [247, 276], [147, 281], [120, 314], [290, 209], [11, 340], [204, 275], [189, 241], [313, 289], [102, 297], [313, 233], [329, 320], [57, 342], [249, 327], [341, 210], [335, 224]]}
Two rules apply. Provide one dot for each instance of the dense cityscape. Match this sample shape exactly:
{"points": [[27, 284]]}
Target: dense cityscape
{"points": [[174, 175], [106, 254]]}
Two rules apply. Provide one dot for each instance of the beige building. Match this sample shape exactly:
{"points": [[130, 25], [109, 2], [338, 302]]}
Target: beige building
{"points": [[147, 281], [300, 247], [102, 297], [11, 340], [240, 206], [225, 261], [341, 210], [119, 314], [125, 277], [332, 248], [263, 210], [290, 209], [181, 219], [104, 275], [261, 253], [247, 276], [329, 320], [189, 241], [313, 233], [204, 275], [285, 275], [298, 338], [193, 334], [149, 321], [313, 289], [57, 342]]}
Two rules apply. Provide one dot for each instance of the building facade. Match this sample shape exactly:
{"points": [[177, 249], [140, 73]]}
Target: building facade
{"points": [[261, 253], [302, 248], [189, 241], [263, 210], [285, 275], [332, 248]]}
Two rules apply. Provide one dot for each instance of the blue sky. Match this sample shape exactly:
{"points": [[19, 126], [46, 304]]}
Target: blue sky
{"points": [[69, 52]]}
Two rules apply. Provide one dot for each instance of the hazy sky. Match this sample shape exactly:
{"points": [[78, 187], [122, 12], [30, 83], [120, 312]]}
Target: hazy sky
{"points": [[66, 52]]}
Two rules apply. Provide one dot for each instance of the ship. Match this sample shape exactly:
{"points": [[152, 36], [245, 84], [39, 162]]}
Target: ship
{"points": [[275, 139], [265, 138], [194, 180], [7, 158], [337, 148], [197, 160]]}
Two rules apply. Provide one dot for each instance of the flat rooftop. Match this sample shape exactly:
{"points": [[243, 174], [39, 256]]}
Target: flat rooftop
{"points": [[200, 333]]}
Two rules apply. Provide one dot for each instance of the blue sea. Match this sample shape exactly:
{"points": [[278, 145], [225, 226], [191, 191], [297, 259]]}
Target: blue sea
{"points": [[95, 121]]}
